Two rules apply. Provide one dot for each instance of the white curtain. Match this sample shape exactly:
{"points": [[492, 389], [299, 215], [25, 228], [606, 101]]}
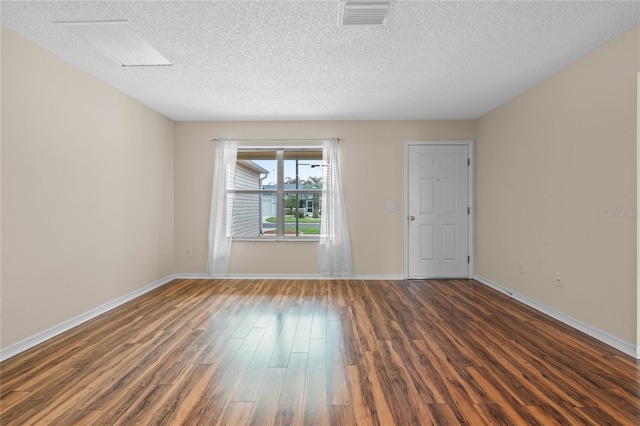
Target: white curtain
{"points": [[335, 248], [222, 207]]}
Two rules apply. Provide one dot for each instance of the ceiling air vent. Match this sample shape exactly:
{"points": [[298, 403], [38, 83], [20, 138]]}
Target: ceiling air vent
{"points": [[364, 12]]}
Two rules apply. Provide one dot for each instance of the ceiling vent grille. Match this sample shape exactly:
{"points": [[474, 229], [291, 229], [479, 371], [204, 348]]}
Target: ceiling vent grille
{"points": [[364, 12]]}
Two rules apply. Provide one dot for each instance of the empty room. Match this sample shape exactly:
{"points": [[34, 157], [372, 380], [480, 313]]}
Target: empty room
{"points": [[358, 212]]}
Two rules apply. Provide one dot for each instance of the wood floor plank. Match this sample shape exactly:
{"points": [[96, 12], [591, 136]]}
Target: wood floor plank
{"points": [[428, 386], [363, 327], [65, 392], [325, 352], [160, 402], [597, 416], [219, 394], [444, 414], [319, 322], [90, 417], [353, 353], [290, 408], [337, 384], [282, 350], [237, 414], [12, 398], [537, 379], [512, 410], [388, 412], [315, 394], [617, 404], [459, 394], [136, 379], [33, 373], [547, 415], [303, 329], [266, 405], [403, 386], [196, 384], [364, 407], [340, 415], [250, 384]]}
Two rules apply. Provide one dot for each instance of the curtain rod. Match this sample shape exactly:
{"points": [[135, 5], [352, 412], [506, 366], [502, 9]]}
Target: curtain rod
{"points": [[281, 140]]}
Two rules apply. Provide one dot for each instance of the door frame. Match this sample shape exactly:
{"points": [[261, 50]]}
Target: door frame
{"points": [[469, 145]]}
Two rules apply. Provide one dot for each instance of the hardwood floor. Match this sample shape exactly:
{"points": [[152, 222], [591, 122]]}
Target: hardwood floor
{"points": [[229, 352]]}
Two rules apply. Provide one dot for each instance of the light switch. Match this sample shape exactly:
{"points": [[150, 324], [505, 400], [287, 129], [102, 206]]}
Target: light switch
{"points": [[391, 207]]}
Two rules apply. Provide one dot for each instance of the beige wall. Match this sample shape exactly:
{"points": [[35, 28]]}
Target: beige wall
{"points": [[87, 192], [372, 163], [556, 190]]}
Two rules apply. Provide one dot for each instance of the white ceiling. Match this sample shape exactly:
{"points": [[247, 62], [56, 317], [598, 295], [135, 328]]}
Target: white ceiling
{"points": [[289, 60]]}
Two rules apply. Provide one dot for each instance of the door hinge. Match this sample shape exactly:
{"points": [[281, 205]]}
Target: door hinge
{"points": [[468, 259], [468, 210], [468, 161]]}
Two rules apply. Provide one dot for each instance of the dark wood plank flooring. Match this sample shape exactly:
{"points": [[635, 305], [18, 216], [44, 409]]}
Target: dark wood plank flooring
{"points": [[232, 352]]}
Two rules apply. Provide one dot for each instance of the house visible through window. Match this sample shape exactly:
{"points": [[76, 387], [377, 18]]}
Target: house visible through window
{"points": [[278, 194]]}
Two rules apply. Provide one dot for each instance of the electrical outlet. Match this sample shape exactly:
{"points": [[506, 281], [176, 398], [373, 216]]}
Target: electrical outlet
{"points": [[521, 268], [189, 252], [559, 279]]}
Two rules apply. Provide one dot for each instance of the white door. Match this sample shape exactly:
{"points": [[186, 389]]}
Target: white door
{"points": [[438, 211]]}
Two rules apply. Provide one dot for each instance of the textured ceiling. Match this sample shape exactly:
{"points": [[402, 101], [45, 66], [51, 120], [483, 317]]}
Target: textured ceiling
{"points": [[289, 60]]}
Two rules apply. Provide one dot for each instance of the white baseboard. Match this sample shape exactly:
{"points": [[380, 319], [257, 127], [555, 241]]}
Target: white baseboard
{"points": [[387, 277], [49, 333], [203, 276], [192, 276], [613, 341]]}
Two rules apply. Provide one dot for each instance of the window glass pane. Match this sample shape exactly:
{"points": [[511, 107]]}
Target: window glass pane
{"points": [[246, 216], [306, 173], [269, 214], [256, 214], [256, 174], [314, 207], [301, 217]]}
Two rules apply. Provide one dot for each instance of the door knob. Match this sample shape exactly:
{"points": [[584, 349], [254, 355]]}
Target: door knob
{"points": [[412, 217]]}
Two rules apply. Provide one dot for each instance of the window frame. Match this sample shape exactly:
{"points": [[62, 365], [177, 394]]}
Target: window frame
{"points": [[280, 193]]}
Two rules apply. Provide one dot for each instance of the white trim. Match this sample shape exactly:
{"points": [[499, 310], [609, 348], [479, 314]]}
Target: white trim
{"points": [[193, 276], [638, 218], [388, 277], [602, 336], [49, 333], [469, 145], [202, 276]]}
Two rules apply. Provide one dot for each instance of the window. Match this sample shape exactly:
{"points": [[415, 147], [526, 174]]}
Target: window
{"points": [[278, 194]]}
